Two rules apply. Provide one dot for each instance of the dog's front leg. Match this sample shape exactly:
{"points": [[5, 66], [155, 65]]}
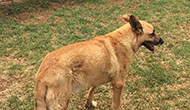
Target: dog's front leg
{"points": [[90, 95], [118, 85]]}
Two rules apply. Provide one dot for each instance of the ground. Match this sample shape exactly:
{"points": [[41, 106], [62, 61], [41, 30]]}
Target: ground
{"points": [[29, 30]]}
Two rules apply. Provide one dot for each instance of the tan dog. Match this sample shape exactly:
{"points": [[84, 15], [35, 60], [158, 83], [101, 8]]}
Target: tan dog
{"points": [[91, 63]]}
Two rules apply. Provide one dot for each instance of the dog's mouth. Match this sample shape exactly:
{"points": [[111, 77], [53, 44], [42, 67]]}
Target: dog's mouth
{"points": [[149, 45]]}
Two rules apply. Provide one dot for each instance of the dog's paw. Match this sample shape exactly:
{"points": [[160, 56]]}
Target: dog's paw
{"points": [[94, 103], [91, 105]]}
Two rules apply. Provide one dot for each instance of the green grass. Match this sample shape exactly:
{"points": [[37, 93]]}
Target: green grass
{"points": [[155, 81]]}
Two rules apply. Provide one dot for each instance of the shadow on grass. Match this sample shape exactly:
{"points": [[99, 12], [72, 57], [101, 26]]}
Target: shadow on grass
{"points": [[37, 5]]}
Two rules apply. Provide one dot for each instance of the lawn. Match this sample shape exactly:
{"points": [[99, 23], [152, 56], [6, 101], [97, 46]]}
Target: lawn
{"points": [[159, 81]]}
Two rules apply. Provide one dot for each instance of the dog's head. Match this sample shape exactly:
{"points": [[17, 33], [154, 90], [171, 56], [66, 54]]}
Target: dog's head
{"points": [[144, 31]]}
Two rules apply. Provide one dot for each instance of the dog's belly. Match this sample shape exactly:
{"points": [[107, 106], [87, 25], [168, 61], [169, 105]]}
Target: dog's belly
{"points": [[98, 79], [94, 80], [92, 73]]}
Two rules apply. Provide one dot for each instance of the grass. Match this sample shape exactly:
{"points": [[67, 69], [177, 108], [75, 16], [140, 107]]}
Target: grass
{"points": [[155, 81]]}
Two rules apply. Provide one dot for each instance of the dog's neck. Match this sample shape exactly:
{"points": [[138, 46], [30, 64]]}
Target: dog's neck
{"points": [[126, 37]]}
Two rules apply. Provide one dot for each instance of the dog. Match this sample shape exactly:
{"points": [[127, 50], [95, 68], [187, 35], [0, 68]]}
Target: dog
{"points": [[91, 63]]}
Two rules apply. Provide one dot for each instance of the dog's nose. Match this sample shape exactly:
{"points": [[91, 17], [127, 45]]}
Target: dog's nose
{"points": [[161, 41]]}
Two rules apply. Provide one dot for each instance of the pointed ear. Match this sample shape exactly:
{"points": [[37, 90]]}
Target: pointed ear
{"points": [[135, 25], [126, 17]]}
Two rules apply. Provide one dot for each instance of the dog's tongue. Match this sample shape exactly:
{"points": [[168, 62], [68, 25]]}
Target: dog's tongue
{"points": [[151, 47], [153, 50]]}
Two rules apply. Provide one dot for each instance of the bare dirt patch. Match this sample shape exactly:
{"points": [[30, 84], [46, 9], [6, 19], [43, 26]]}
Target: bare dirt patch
{"points": [[4, 84], [38, 16], [6, 81], [7, 84], [116, 1], [176, 87], [10, 2]]}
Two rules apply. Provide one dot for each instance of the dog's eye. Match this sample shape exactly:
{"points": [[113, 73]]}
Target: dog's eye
{"points": [[152, 34]]}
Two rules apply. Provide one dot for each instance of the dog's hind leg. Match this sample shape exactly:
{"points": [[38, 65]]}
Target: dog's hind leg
{"points": [[40, 96], [58, 96], [90, 95], [49, 97]]}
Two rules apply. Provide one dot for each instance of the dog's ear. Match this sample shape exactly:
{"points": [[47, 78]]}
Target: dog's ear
{"points": [[126, 17], [136, 25]]}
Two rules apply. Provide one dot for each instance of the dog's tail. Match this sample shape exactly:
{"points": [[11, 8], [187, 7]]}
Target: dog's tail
{"points": [[40, 96]]}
